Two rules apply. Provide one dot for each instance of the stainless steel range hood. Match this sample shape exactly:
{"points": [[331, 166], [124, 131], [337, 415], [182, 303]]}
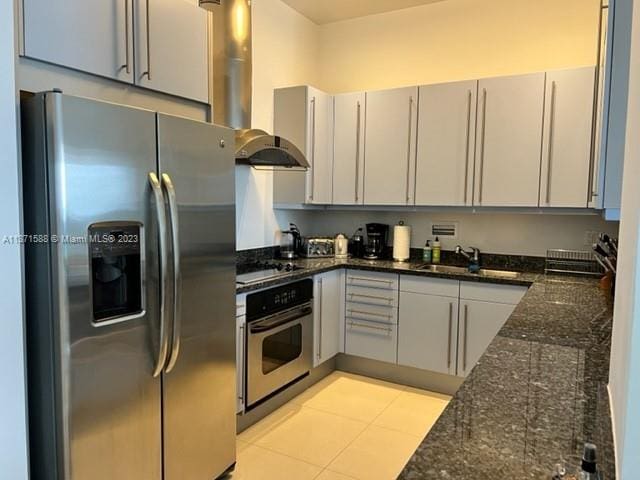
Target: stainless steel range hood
{"points": [[232, 89]]}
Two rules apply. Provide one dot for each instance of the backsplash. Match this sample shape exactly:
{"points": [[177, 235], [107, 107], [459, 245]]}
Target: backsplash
{"points": [[520, 263]]}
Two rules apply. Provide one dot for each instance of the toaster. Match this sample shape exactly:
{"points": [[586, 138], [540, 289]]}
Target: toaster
{"points": [[318, 247]]}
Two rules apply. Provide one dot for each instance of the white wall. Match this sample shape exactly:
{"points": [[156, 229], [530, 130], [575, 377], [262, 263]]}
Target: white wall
{"points": [[455, 40], [13, 439], [442, 41], [524, 234], [285, 52], [624, 382]]}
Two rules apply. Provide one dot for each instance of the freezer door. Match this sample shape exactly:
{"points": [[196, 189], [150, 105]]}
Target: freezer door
{"points": [[199, 383], [93, 399]]}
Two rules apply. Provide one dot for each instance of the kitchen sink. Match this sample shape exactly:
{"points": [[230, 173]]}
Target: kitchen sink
{"points": [[498, 273], [483, 272], [443, 269]]}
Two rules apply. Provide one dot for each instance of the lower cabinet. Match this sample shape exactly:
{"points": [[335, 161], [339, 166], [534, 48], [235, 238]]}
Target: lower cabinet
{"points": [[484, 309], [327, 315], [428, 332], [479, 324], [374, 340]]}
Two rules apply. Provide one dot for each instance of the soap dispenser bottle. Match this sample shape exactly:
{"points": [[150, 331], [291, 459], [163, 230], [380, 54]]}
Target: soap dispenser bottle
{"points": [[426, 252], [589, 470], [435, 253]]}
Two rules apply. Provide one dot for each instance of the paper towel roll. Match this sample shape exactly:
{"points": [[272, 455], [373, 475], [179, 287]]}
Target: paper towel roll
{"points": [[401, 242]]}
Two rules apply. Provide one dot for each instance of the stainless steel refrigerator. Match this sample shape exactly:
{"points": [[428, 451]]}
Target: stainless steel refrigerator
{"points": [[129, 220]]}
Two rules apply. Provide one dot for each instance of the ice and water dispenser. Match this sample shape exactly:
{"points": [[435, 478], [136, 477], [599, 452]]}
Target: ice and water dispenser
{"points": [[116, 250]]}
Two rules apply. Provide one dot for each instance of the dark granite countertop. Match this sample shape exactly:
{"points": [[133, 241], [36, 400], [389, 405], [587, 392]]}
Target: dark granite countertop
{"points": [[534, 397], [314, 266]]}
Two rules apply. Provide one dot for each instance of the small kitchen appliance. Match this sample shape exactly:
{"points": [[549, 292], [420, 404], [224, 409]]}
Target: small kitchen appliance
{"points": [[290, 242], [318, 247], [377, 234], [341, 246], [356, 244]]}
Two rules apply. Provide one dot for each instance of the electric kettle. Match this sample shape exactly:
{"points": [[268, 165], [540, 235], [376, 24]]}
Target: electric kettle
{"points": [[341, 246]]}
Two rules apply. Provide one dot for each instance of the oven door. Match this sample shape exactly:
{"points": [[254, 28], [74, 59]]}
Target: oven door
{"points": [[279, 350]]}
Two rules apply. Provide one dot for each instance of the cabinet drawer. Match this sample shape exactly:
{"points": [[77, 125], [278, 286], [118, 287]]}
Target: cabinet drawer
{"points": [[386, 281], [372, 296], [373, 313], [430, 286], [371, 340], [491, 292]]}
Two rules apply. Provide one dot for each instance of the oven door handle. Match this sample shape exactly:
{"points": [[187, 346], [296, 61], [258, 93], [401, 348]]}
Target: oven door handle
{"points": [[279, 320]]}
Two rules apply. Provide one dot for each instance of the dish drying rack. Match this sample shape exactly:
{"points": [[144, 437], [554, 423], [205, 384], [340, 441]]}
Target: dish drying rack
{"points": [[573, 262]]}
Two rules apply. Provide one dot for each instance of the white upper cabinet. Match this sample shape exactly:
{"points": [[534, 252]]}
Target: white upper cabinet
{"points": [[390, 139], [319, 147], [304, 116], [94, 36], [508, 146], [566, 148], [446, 134], [171, 40], [348, 149]]}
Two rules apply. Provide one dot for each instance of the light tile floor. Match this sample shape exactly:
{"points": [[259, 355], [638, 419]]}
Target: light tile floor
{"points": [[345, 427]]}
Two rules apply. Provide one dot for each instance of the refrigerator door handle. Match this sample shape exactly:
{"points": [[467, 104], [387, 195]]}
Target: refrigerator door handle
{"points": [[167, 184], [162, 236]]}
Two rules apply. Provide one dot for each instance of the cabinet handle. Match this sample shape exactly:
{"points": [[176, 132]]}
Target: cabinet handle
{"points": [[373, 297], [358, 152], [388, 282], [320, 317], [362, 325], [466, 154], [313, 147], [241, 396], [550, 150], [381, 315], [148, 71], [464, 343], [484, 121], [450, 333], [127, 65], [409, 146]]}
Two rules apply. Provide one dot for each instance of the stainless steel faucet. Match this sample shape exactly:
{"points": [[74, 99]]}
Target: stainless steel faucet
{"points": [[473, 256]]}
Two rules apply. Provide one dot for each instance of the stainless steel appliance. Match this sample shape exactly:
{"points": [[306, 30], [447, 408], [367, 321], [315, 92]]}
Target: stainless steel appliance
{"points": [[261, 271], [232, 89], [290, 242], [318, 247], [377, 234], [130, 288], [279, 338]]}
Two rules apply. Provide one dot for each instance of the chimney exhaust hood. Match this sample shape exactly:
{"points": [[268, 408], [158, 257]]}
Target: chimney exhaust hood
{"points": [[232, 89]]}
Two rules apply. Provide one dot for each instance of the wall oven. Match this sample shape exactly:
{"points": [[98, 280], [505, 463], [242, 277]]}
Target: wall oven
{"points": [[279, 338]]}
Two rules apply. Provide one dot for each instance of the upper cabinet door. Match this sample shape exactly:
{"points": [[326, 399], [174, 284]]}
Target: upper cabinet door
{"points": [[319, 147], [94, 36], [446, 134], [566, 149], [390, 138], [348, 149], [509, 141], [171, 48]]}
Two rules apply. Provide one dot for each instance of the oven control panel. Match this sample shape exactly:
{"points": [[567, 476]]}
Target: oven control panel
{"points": [[276, 299]]}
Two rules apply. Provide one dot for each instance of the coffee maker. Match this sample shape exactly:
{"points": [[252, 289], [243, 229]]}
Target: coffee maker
{"points": [[377, 234]]}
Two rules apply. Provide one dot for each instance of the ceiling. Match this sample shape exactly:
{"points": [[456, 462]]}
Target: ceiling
{"points": [[328, 11]]}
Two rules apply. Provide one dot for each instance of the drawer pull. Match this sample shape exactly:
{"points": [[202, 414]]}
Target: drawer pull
{"points": [[376, 280], [372, 297], [371, 327], [381, 315]]}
